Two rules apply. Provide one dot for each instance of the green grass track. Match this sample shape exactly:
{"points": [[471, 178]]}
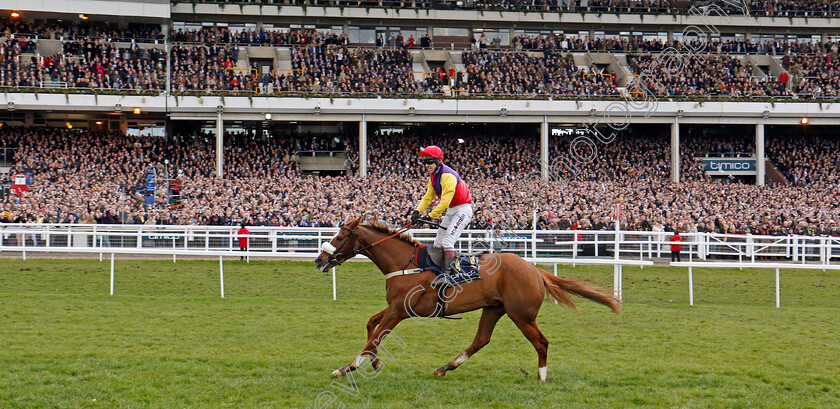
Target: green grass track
{"points": [[167, 340]]}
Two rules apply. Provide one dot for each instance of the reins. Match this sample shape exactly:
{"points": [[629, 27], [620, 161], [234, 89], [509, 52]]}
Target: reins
{"points": [[361, 249], [400, 231]]}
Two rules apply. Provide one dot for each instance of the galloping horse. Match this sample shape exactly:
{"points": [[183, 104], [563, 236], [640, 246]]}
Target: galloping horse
{"points": [[508, 285]]}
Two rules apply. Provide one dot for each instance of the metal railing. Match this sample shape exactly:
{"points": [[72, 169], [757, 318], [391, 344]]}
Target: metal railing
{"points": [[548, 247], [321, 153], [294, 242], [53, 84]]}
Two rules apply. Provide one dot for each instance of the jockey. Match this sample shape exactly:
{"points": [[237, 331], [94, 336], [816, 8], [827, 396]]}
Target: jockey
{"points": [[455, 201]]}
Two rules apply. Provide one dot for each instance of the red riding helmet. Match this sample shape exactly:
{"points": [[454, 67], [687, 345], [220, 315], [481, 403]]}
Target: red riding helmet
{"points": [[432, 151]]}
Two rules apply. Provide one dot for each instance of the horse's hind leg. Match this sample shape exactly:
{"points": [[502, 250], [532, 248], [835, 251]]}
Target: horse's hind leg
{"points": [[532, 332], [489, 317]]}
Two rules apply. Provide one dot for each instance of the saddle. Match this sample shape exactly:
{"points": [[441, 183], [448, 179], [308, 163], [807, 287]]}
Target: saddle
{"points": [[465, 269]]}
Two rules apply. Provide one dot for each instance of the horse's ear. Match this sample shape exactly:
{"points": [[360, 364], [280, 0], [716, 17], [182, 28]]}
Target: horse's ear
{"points": [[353, 223]]}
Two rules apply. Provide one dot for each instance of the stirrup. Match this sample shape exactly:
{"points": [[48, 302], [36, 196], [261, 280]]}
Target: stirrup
{"points": [[443, 280]]}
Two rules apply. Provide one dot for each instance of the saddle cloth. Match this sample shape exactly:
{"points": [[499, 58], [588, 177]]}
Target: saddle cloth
{"points": [[466, 268]]}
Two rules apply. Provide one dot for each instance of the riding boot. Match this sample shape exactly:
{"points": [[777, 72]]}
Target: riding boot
{"points": [[448, 266]]}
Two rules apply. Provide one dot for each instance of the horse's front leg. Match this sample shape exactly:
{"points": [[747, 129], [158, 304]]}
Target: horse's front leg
{"points": [[374, 321], [371, 326], [389, 319]]}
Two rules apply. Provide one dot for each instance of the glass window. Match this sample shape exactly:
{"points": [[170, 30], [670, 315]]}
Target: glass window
{"points": [[452, 32], [367, 36], [408, 33]]}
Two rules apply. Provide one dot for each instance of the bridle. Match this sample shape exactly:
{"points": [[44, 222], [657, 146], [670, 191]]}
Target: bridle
{"points": [[334, 252]]}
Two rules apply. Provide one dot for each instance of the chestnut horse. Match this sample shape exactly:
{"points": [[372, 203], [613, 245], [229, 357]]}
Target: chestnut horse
{"points": [[508, 285]]}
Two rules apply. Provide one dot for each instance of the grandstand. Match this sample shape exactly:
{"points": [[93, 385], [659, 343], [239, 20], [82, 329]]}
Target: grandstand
{"points": [[714, 118]]}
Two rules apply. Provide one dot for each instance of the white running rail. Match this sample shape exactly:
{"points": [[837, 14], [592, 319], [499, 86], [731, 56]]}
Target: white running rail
{"points": [[547, 247]]}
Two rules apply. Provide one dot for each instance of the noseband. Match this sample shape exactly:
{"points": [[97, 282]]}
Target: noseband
{"points": [[335, 252]]}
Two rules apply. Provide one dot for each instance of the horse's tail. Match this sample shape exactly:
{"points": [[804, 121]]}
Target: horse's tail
{"points": [[559, 288]]}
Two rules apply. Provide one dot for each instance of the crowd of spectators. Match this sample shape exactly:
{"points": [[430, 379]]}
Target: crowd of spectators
{"points": [[209, 68], [207, 59], [638, 44], [335, 68], [256, 37], [100, 64], [506, 73], [809, 8], [321, 67], [96, 55], [815, 75], [85, 176], [634, 170], [86, 64], [810, 160], [66, 30], [489, 153], [714, 75], [625, 6]]}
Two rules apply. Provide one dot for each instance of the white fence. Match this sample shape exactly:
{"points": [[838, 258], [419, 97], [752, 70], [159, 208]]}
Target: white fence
{"points": [[539, 246], [297, 242]]}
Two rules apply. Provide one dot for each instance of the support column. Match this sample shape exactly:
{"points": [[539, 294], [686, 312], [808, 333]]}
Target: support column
{"points": [[363, 147], [168, 86], [675, 151], [220, 146], [544, 148], [760, 170]]}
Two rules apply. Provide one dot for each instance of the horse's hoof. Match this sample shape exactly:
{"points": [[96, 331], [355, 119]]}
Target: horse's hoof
{"points": [[376, 364], [337, 373], [440, 372]]}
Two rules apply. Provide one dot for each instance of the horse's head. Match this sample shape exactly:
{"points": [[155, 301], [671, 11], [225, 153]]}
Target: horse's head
{"points": [[342, 247]]}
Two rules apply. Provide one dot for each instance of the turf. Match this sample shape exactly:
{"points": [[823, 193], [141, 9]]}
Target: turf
{"points": [[167, 340]]}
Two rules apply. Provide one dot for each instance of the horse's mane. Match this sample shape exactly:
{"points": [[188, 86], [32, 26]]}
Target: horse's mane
{"points": [[383, 228]]}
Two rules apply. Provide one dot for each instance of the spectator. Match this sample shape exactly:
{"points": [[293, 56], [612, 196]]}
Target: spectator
{"points": [[243, 233], [675, 246]]}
